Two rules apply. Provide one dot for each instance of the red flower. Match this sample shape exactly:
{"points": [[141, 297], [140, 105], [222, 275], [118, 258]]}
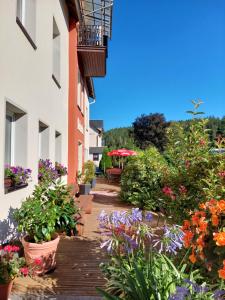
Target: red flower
{"points": [[38, 261], [167, 191], [24, 271]]}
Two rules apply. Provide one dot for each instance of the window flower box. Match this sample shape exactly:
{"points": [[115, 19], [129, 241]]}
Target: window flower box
{"points": [[16, 178]]}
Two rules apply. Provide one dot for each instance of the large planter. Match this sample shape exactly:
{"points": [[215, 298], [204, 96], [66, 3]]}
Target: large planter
{"points": [[5, 290], [85, 189], [45, 251], [93, 183]]}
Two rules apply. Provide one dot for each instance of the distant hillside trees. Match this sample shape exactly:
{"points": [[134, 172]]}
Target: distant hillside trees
{"points": [[119, 138], [150, 130]]}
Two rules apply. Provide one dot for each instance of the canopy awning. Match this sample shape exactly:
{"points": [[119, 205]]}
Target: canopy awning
{"points": [[98, 13]]}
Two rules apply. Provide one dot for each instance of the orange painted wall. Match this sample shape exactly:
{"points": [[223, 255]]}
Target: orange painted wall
{"points": [[74, 135]]}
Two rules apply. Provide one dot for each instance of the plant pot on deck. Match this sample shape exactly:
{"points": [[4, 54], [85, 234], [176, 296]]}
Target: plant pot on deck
{"points": [[93, 183], [5, 290], [85, 188], [45, 252]]}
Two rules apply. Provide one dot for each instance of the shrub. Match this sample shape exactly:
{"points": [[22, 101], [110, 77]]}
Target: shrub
{"points": [[89, 171], [106, 161], [141, 180]]}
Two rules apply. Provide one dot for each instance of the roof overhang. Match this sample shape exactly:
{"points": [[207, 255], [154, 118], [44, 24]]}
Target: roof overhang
{"points": [[90, 87], [74, 9]]}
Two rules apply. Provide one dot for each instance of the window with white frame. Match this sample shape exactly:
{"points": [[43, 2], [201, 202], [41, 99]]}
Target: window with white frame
{"points": [[43, 141], [58, 147], [79, 89], [15, 136], [56, 53], [80, 156], [26, 19]]}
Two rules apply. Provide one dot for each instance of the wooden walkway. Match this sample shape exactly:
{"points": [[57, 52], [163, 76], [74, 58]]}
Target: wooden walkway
{"points": [[77, 273]]}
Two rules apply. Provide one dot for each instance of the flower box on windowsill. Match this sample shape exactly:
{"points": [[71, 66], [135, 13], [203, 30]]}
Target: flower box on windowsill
{"points": [[15, 187]]}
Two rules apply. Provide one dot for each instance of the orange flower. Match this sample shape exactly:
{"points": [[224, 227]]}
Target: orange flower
{"points": [[221, 205], [202, 206], [188, 236], [219, 238], [200, 242], [186, 225], [221, 273], [192, 258], [215, 220], [202, 225]]}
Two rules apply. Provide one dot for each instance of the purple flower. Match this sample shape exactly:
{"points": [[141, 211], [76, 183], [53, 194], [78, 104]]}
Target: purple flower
{"points": [[197, 288], [219, 294], [180, 294], [171, 241], [148, 216]]}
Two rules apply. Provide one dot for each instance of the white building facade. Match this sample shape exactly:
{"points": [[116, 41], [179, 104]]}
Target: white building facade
{"points": [[95, 141], [33, 91]]}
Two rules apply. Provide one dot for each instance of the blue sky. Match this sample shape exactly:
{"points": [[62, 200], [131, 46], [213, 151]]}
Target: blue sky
{"points": [[163, 54]]}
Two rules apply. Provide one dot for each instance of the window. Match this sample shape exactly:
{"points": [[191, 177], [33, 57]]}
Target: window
{"points": [[80, 156], [95, 157], [15, 136], [43, 141], [79, 90], [26, 19], [58, 147], [56, 54], [80, 127]]}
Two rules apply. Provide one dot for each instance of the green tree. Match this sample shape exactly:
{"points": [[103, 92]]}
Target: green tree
{"points": [[150, 130]]}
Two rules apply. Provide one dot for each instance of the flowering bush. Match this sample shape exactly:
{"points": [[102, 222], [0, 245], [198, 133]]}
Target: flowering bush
{"points": [[204, 233], [11, 265], [18, 175], [47, 173], [142, 260], [141, 180]]}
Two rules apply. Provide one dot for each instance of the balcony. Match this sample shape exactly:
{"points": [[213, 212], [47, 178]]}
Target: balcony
{"points": [[92, 50]]}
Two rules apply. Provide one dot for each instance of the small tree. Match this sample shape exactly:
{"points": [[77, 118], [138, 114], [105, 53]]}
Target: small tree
{"points": [[150, 130], [106, 161]]}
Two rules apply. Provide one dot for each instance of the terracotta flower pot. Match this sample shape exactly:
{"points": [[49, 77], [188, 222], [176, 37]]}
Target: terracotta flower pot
{"points": [[45, 252], [8, 182], [5, 290]]}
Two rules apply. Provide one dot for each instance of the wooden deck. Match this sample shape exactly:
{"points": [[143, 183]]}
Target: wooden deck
{"points": [[77, 273], [78, 258]]}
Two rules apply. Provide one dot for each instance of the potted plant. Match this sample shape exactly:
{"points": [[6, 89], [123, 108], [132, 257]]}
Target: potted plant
{"points": [[61, 170], [16, 176], [86, 178], [48, 211], [11, 266]]}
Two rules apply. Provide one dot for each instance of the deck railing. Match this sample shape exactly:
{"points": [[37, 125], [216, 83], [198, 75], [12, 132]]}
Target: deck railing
{"points": [[91, 35]]}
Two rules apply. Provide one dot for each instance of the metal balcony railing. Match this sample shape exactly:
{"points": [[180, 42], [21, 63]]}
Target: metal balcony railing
{"points": [[91, 35]]}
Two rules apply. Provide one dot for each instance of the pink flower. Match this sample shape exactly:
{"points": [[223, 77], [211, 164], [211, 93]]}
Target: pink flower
{"points": [[202, 142], [37, 261], [167, 191], [221, 174], [7, 248], [182, 189], [24, 271], [15, 249]]}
